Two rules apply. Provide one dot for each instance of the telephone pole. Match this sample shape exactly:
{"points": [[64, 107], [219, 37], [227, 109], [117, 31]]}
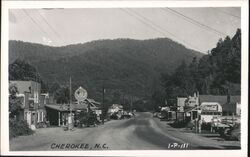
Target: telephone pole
{"points": [[103, 92], [70, 117], [70, 95]]}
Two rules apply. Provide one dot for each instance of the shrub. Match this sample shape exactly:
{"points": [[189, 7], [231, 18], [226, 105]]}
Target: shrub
{"points": [[179, 124], [19, 128]]}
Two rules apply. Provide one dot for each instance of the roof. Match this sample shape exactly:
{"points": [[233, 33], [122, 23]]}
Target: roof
{"points": [[221, 99], [23, 86], [116, 106], [229, 107], [190, 108], [92, 101], [209, 103], [235, 98], [57, 107], [74, 107]]}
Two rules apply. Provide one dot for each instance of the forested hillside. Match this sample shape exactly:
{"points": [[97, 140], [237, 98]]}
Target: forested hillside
{"points": [[128, 69], [217, 73]]}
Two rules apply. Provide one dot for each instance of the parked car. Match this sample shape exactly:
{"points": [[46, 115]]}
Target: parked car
{"points": [[125, 116], [86, 119], [229, 131], [114, 116], [236, 133]]}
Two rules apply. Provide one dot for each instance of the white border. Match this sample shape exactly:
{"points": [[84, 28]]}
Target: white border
{"points": [[118, 4]]}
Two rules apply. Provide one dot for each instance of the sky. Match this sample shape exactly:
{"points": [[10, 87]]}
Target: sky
{"points": [[196, 28]]}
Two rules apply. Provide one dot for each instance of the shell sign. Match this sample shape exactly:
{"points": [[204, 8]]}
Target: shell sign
{"points": [[81, 94]]}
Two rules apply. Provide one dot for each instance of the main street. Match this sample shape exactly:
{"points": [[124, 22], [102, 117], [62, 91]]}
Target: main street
{"points": [[140, 133]]}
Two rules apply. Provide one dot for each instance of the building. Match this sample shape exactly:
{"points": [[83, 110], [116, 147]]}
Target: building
{"points": [[57, 114], [33, 102], [181, 102], [209, 110], [220, 105], [230, 104], [192, 101], [115, 108]]}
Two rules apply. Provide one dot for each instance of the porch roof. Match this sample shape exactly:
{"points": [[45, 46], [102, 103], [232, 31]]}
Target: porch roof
{"points": [[64, 107]]}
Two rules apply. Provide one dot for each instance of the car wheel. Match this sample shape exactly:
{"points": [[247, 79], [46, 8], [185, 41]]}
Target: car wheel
{"points": [[227, 133], [238, 137]]}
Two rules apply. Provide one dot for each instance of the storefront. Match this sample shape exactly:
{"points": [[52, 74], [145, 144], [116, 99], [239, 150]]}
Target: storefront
{"points": [[192, 114], [210, 110]]}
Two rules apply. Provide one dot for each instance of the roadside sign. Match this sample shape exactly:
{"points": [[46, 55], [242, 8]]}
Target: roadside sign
{"points": [[81, 94], [98, 112]]}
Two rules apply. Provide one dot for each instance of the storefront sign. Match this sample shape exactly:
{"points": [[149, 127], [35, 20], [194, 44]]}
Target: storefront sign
{"points": [[98, 112], [210, 108]]}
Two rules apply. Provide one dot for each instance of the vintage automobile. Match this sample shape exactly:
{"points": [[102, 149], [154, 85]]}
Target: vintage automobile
{"points": [[86, 119], [236, 133], [229, 130]]}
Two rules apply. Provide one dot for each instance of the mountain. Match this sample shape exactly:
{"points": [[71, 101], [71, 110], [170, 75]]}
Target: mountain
{"points": [[131, 67]]}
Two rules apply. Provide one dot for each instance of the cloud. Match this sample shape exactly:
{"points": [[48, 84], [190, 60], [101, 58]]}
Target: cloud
{"points": [[47, 41]]}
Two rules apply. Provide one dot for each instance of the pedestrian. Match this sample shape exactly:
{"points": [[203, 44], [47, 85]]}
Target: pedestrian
{"points": [[196, 124], [199, 125]]}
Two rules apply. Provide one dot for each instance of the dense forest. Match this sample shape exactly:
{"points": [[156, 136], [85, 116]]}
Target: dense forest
{"points": [[129, 70], [21, 70], [217, 73], [140, 74]]}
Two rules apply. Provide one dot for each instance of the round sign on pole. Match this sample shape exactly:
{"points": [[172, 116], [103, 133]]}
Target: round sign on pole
{"points": [[81, 94]]}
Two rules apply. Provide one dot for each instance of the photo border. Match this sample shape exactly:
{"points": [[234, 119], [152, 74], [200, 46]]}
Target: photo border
{"points": [[6, 5]]}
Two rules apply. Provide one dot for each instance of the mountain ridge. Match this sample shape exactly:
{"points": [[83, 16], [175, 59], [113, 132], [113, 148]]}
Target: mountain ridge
{"points": [[128, 65]]}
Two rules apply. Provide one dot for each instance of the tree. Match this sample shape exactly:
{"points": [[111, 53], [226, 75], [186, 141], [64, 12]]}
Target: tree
{"points": [[214, 73], [158, 98], [54, 87], [233, 64], [21, 70], [116, 97], [14, 101], [181, 82], [62, 95]]}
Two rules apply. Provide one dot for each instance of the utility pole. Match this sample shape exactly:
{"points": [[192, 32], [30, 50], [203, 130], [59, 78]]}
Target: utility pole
{"points": [[103, 92], [70, 95], [70, 117]]}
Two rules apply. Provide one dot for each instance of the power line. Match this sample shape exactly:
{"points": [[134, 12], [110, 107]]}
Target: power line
{"points": [[156, 27], [57, 35], [53, 30], [197, 22], [33, 20], [188, 20], [40, 28], [160, 32], [227, 13]]}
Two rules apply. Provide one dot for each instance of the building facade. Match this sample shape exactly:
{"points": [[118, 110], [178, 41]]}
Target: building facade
{"points": [[33, 102]]}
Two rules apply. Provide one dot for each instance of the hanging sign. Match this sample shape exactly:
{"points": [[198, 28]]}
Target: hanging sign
{"points": [[81, 94]]}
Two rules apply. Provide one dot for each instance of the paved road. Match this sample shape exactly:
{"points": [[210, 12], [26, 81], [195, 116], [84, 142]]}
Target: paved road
{"points": [[140, 133]]}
